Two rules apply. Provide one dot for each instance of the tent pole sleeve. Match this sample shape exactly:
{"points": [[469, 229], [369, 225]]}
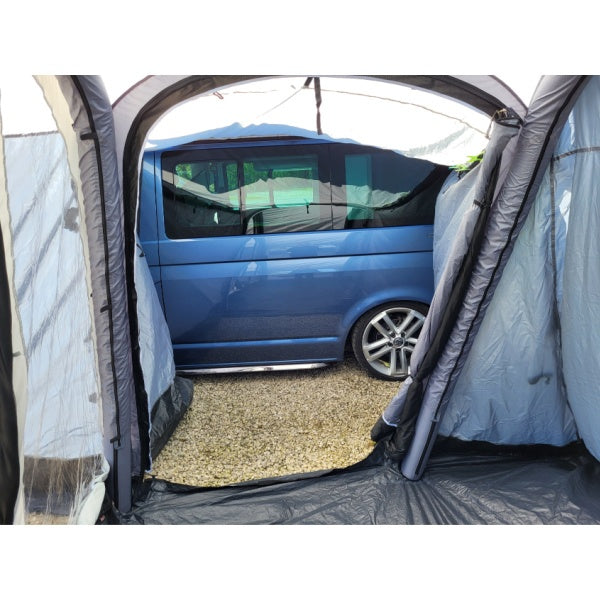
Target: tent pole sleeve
{"points": [[103, 205], [10, 472]]}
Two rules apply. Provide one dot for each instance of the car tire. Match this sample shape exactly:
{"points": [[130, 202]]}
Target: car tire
{"points": [[384, 338]]}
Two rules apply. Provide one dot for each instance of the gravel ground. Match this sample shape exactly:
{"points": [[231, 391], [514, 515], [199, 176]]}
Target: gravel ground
{"points": [[254, 425]]}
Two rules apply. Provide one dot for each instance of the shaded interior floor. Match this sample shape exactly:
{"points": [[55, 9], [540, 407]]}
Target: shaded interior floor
{"points": [[465, 483]]}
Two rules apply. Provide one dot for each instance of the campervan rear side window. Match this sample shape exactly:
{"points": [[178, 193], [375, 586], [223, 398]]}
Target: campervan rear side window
{"points": [[202, 199], [247, 190]]}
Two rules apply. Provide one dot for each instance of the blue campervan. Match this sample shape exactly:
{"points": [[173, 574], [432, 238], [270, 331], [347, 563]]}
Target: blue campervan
{"points": [[288, 253]]}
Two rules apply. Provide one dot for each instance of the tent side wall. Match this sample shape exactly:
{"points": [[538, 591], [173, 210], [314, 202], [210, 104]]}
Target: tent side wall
{"points": [[575, 170], [93, 125], [55, 380], [62, 207], [509, 211], [134, 346]]}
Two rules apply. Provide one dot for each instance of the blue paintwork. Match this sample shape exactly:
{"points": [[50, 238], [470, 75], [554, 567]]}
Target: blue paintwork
{"points": [[276, 298]]}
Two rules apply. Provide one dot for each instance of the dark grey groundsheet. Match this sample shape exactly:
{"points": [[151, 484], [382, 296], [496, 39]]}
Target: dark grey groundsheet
{"points": [[464, 483]]}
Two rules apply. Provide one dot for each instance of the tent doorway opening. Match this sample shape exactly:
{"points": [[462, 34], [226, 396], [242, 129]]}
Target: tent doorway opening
{"points": [[252, 425]]}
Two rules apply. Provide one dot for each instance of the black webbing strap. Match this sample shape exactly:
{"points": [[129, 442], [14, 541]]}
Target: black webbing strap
{"points": [[318, 99]]}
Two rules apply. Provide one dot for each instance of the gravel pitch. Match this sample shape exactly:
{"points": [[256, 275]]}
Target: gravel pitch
{"points": [[254, 425]]}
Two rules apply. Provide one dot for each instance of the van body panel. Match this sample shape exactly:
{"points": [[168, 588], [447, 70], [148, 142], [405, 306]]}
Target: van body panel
{"points": [[280, 297], [302, 298]]}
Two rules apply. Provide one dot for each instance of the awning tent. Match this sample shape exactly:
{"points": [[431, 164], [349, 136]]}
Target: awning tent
{"points": [[89, 387]]}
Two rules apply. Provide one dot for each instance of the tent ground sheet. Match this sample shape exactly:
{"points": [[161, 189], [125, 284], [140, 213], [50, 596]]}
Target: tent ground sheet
{"points": [[464, 483]]}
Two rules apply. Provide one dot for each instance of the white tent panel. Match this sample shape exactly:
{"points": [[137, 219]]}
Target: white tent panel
{"points": [[53, 300], [413, 122]]}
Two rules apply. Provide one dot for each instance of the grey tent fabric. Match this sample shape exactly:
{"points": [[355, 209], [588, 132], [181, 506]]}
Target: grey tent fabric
{"points": [[510, 389], [506, 221], [138, 355], [93, 124], [135, 378], [509, 209], [575, 169]]}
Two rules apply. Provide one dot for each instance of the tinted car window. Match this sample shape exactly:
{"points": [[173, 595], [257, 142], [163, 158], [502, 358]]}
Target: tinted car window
{"points": [[248, 190], [201, 198], [240, 191], [379, 188], [284, 194]]}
